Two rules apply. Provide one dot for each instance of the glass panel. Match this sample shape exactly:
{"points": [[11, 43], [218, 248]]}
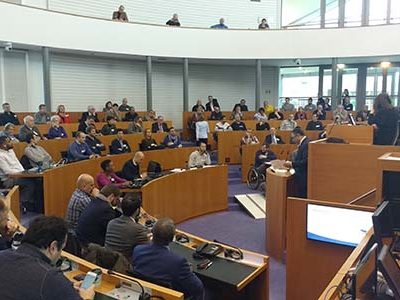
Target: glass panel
{"points": [[395, 11], [349, 81], [332, 13], [327, 85], [295, 12], [353, 12], [377, 11]]}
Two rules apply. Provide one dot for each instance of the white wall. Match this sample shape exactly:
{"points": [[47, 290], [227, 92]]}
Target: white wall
{"points": [[36, 3], [238, 14]]}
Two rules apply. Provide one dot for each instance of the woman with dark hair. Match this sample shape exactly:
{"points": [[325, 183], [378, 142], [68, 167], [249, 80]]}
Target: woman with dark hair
{"points": [[108, 106], [384, 120]]}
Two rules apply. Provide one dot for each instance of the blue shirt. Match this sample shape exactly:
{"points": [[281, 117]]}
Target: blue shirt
{"points": [[176, 140], [79, 151], [57, 132], [219, 26]]}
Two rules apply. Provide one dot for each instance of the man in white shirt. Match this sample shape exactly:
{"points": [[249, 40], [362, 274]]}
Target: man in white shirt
{"points": [[31, 188], [199, 157], [289, 124]]}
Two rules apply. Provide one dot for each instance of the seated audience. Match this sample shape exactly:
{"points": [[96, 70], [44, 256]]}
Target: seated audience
{"points": [[79, 150], [212, 103], [7, 227], [159, 126], [108, 176], [261, 115], [172, 140], [9, 131], [202, 131], [300, 114], [90, 121], [269, 108], [320, 101], [94, 144], [36, 154], [56, 131], [108, 107], [327, 106], [174, 21], [30, 273], [220, 25], [7, 116], [28, 127], [31, 189], [263, 24], [346, 104], [243, 106], [92, 224], [110, 127], [249, 138], [131, 169], [340, 115], [276, 115], [156, 261], [119, 145], [125, 233], [216, 114], [84, 193], [199, 157], [262, 125], [237, 110], [148, 143], [125, 106], [136, 126], [310, 106], [120, 15], [91, 112], [113, 112], [198, 106], [289, 124], [263, 158], [150, 116], [131, 115], [315, 124], [273, 138], [238, 124], [320, 112], [64, 117], [42, 116], [363, 115], [223, 125], [287, 106]]}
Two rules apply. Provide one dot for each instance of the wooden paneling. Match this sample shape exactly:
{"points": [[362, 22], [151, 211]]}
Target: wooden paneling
{"points": [[352, 134]]}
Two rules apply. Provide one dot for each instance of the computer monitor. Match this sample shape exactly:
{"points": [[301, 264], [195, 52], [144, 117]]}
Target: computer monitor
{"points": [[386, 220], [387, 264], [341, 226], [154, 167]]}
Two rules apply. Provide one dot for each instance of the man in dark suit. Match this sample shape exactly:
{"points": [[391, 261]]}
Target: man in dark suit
{"points": [[120, 15], [8, 116], [92, 224], [156, 261], [300, 162], [131, 169], [212, 103], [124, 233], [110, 127], [273, 138], [159, 126], [119, 145], [90, 113]]}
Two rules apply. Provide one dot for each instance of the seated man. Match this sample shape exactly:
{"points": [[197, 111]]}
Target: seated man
{"points": [[273, 138], [29, 272], [28, 127], [119, 145], [159, 126], [216, 114], [148, 143], [211, 104], [156, 261], [363, 115], [31, 188], [92, 225], [124, 233], [315, 124], [131, 169], [42, 116], [120, 15], [287, 106], [7, 227], [263, 158], [262, 125], [108, 176], [110, 127], [289, 124], [275, 115], [79, 150], [310, 106], [125, 106], [172, 140], [91, 112], [9, 131], [238, 124], [95, 145], [136, 126], [83, 126], [81, 197], [56, 131], [199, 157], [243, 106], [174, 21], [320, 112], [7, 116], [36, 154], [150, 116], [340, 115], [131, 115]]}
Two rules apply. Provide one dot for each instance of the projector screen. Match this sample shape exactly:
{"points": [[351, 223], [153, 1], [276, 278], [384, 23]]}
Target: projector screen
{"points": [[340, 226]]}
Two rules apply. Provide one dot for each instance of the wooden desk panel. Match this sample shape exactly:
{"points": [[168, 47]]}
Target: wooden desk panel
{"points": [[352, 134], [387, 162], [340, 173]]}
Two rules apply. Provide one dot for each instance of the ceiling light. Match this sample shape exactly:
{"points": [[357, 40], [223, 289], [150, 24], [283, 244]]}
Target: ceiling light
{"points": [[385, 64], [341, 66]]}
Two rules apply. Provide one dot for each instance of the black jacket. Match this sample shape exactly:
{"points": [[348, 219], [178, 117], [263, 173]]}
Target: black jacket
{"points": [[146, 145], [95, 145], [315, 125], [268, 139], [216, 116], [259, 161], [238, 126], [85, 115], [117, 148], [130, 171], [386, 121], [300, 165], [8, 117], [214, 103], [263, 126], [109, 129], [272, 116], [130, 117], [155, 129]]}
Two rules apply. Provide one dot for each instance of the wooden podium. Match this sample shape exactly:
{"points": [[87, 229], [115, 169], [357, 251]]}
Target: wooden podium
{"points": [[279, 187]]}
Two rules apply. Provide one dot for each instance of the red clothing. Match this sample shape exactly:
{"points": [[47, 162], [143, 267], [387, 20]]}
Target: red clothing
{"points": [[103, 180], [66, 119]]}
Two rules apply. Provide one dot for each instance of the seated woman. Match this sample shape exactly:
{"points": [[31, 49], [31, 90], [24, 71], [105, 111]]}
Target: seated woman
{"points": [[136, 126], [148, 143], [64, 117], [249, 138], [56, 131], [237, 111], [111, 111], [108, 176], [260, 115], [300, 114], [35, 153]]}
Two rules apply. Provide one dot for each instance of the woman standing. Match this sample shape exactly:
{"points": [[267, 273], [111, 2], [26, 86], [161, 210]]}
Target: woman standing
{"points": [[202, 131]]}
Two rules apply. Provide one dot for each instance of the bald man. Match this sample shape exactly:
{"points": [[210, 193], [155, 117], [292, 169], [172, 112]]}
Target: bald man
{"points": [[81, 197], [131, 169]]}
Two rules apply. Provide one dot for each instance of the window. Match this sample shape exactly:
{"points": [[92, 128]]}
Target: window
{"points": [[327, 83], [395, 11], [353, 12], [349, 81], [332, 13], [378, 11]]}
